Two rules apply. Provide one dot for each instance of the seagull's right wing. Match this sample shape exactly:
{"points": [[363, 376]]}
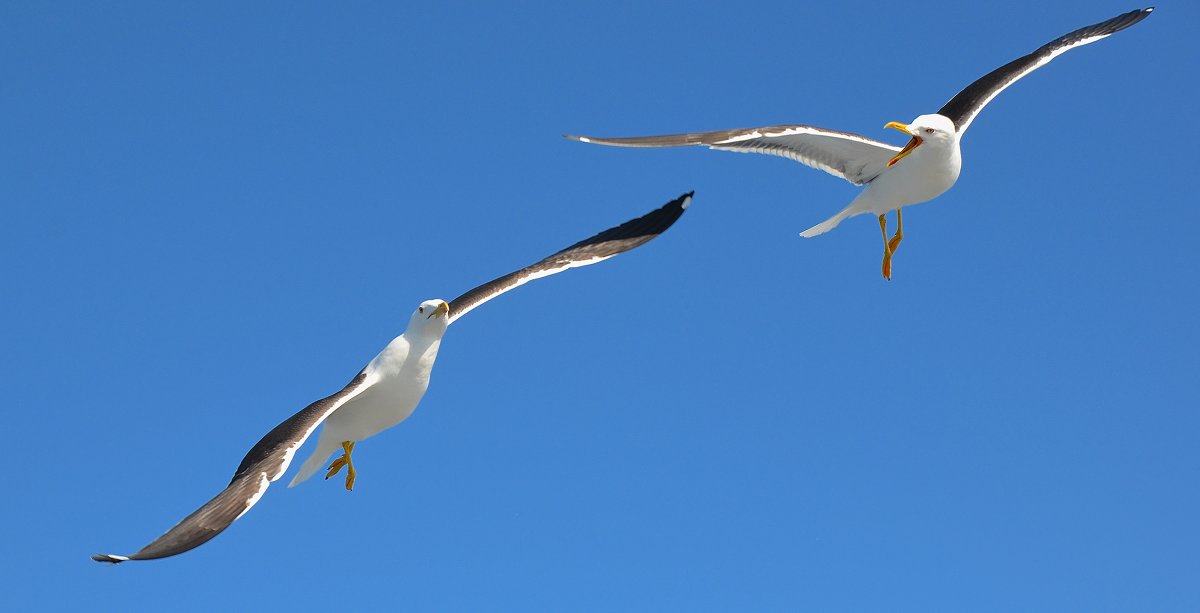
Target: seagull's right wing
{"points": [[613, 241], [264, 463], [966, 104], [852, 157]]}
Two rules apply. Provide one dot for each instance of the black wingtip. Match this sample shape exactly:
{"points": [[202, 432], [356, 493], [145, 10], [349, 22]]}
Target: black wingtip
{"points": [[641, 229], [651, 224], [685, 200], [109, 559], [665, 216], [1134, 16]]}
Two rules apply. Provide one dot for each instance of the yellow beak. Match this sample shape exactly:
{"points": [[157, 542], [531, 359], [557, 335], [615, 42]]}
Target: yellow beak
{"points": [[912, 144], [441, 309]]}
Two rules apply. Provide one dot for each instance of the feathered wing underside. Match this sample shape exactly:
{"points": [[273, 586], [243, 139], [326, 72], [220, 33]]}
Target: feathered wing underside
{"points": [[611, 242], [964, 106], [852, 157], [264, 463]]}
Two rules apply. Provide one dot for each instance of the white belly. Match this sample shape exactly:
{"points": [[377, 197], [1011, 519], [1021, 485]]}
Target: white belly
{"points": [[403, 379], [379, 408], [917, 178]]}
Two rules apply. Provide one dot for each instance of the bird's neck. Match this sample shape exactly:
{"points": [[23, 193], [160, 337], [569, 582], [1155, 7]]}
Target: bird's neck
{"points": [[421, 342], [427, 344], [938, 149]]}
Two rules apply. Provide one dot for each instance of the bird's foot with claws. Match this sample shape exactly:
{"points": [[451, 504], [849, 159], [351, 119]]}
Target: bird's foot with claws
{"points": [[347, 448]]}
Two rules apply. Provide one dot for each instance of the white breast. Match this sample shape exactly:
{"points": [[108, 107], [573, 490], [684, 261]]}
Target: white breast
{"points": [[928, 172], [403, 371]]}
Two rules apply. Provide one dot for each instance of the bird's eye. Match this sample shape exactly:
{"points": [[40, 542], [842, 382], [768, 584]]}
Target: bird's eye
{"points": [[929, 130], [420, 309]]}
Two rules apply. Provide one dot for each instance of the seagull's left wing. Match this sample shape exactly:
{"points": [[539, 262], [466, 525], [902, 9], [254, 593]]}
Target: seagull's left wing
{"points": [[965, 105], [852, 157], [264, 463], [613, 241]]}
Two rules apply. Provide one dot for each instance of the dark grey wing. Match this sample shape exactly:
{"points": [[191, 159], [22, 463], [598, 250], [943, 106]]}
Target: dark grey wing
{"points": [[852, 157], [613, 241], [965, 105], [202, 525], [264, 463]]}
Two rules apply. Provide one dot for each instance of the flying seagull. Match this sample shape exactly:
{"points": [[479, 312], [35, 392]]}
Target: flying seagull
{"points": [[895, 177], [383, 394]]}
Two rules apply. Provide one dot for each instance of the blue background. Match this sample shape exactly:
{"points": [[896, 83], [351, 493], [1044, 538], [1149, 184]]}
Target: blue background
{"points": [[214, 214]]}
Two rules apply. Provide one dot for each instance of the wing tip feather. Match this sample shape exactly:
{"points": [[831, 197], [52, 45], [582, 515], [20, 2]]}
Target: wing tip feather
{"points": [[108, 558], [687, 200]]}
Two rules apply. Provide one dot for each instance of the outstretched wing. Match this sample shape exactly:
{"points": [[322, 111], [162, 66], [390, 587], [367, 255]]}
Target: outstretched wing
{"points": [[264, 463], [602, 246], [852, 157], [966, 104]]}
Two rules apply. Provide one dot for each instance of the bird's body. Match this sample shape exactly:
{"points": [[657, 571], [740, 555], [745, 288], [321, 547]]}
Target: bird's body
{"points": [[397, 379], [894, 177], [920, 176]]}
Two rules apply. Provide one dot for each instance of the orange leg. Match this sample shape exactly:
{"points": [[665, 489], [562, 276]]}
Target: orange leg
{"points": [[895, 242], [887, 248]]}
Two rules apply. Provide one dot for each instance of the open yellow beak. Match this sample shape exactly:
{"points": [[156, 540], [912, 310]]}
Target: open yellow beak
{"points": [[442, 309], [912, 144]]}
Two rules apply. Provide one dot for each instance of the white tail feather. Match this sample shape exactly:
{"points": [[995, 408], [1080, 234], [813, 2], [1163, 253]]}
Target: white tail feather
{"points": [[830, 223], [314, 461]]}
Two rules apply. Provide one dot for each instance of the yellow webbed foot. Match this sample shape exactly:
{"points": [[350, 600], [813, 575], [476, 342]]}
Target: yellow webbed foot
{"points": [[347, 448]]}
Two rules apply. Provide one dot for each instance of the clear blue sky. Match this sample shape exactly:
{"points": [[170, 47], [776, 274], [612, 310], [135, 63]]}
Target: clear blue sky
{"points": [[214, 214]]}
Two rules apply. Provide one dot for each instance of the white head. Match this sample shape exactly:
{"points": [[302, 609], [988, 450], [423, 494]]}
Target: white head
{"points": [[430, 319], [933, 127], [937, 130]]}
